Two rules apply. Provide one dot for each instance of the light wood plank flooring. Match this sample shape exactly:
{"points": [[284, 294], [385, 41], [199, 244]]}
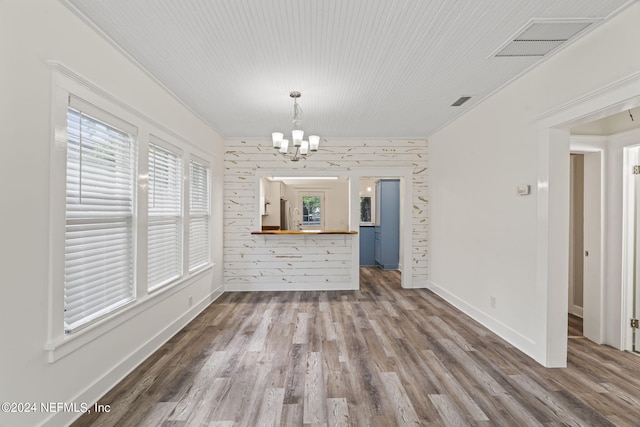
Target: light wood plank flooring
{"points": [[575, 326], [380, 356]]}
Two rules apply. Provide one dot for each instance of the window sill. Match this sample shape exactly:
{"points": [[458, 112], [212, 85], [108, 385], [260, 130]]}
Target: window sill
{"points": [[67, 344]]}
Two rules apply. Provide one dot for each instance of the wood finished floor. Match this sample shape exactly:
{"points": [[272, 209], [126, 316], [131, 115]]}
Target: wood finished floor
{"points": [[380, 356], [575, 326]]}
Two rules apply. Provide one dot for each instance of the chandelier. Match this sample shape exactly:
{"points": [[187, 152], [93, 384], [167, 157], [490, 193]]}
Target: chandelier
{"points": [[301, 149]]}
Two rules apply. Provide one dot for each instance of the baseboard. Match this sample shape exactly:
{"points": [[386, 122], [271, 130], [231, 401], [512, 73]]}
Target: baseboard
{"points": [[102, 385], [576, 311], [271, 287], [521, 342], [420, 284]]}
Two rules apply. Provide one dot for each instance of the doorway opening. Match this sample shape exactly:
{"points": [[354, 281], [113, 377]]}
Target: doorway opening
{"points": [[381, 230], [576, 246], [553, 223], [366, 211], [586, 236]]}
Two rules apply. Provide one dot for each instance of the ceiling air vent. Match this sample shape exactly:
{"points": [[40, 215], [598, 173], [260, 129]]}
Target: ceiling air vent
{"points": [[540, 37], [461, 101]]}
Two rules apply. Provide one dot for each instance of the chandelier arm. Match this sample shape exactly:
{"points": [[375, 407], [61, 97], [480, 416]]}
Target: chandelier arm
{"points": [[297, 156]]}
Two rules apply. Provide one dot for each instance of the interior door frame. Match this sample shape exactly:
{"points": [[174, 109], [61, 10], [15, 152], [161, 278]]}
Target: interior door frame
{"points": [[552, 222], [574, 253], [630, 235], [405, 174], [594, 234]]}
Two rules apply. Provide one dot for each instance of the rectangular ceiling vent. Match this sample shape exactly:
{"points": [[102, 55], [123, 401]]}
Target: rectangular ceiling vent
{"points": [[540, 37], [461, 101]]}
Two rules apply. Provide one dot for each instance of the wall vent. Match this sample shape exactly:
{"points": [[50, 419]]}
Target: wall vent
{"points": [[540, 37]]}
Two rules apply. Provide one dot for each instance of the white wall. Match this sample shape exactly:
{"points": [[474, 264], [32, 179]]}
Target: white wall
{"points": [[31, 33], [256, 262], [483, 237]]}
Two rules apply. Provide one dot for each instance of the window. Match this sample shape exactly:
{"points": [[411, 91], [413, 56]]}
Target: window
{"points": [[199, 217], [98, 271], [118, 209], [164, 215], [312, 211], [365, 209]]}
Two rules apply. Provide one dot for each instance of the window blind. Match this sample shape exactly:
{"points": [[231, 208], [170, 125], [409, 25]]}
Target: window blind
{"points": [[199, 217], [99, 219], [165, 216]]}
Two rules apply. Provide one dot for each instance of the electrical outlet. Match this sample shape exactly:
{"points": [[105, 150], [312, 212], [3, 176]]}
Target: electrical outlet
{"points": [[492, 302]]}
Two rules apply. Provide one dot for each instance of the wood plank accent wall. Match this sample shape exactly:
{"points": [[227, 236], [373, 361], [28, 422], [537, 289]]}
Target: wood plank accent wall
{"points": [[258, 262]]}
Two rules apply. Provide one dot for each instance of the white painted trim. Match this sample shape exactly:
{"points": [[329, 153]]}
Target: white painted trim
{"points": [[606, 101], [593, 310], [552, 269], [71, 342], [524, 344], [594, 241], [354, 224], [572, 237], [576, 310], [552, 224], [96, 390], [631, 156], [69, 78], [65, 82], [406, 207]]}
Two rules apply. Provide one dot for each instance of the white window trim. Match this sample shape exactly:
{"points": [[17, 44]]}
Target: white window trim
{"points": [[162, 143], [66, 82], [202, 161], [77, 215]]}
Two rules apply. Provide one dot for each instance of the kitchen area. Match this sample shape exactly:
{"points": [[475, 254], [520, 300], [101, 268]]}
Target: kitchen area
{"points": [[380, 223]]}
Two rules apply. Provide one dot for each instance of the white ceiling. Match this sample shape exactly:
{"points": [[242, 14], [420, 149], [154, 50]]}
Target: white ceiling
{"points": [[366, 68]]}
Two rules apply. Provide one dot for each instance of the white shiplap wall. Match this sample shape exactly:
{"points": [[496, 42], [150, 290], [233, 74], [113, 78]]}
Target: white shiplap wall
{"points": [[266, 262]]}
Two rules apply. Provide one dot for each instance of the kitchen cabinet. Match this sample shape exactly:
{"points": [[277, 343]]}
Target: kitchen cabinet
{"points": [[387, 225]]}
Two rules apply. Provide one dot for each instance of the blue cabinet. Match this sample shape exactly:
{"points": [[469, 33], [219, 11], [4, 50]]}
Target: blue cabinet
{"points": [[367, 236], [387, 229]]}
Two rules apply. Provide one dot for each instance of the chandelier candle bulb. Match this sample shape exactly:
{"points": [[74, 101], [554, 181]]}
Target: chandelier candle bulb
{"points": [[285, 146], [297, 136], [304, 148], [314, 142], [277, 139]]}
